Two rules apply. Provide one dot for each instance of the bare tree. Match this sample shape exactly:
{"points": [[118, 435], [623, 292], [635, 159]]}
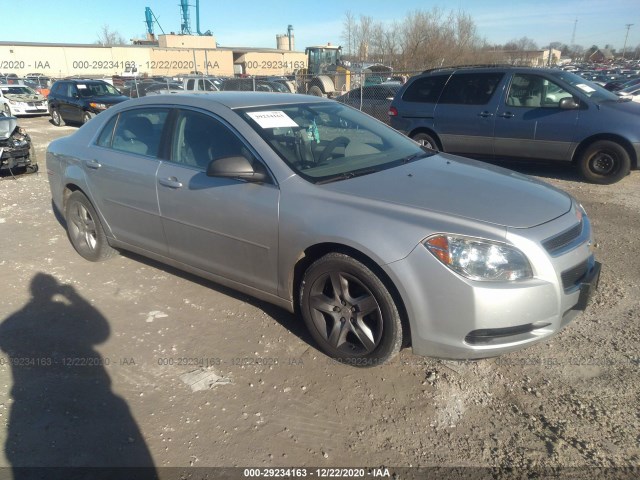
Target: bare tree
{"points": [[348, 28], [108, 37]]}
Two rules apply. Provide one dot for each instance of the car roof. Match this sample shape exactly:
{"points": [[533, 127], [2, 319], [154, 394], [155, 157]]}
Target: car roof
{"points": [[230, 99], [488, 69]]}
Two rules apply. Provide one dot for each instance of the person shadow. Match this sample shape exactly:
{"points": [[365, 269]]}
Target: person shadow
{"points": [[64, 420]]}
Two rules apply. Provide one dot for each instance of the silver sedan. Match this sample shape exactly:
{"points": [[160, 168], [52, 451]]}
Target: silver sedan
{"points": [[375, 241]]}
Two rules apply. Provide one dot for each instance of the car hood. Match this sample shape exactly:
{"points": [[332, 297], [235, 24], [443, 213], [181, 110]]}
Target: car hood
{"points": [[7, 126], [622, 106], [109, 99], [465, 188], [25, 97]]}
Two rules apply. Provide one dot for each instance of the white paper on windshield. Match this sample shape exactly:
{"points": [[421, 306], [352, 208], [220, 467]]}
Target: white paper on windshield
{"points": [[81, 86], [585, 88], [272, 119]]}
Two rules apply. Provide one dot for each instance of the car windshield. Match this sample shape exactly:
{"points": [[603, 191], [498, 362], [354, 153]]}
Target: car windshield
{"points": [[325, 142], [18, 90], [97, 90], [592, 90]]}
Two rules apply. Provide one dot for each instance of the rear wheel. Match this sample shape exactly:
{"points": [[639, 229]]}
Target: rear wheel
{"points": [[85, 230], [604, 162], [425, 140], [56, 119], [350, 312]]}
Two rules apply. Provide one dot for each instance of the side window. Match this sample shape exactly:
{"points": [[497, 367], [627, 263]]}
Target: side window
{"points": [[199, 138], [104, 140], [470, 88], [534, 91], [139, 131], [425, 89], [190, 83], [71, 90]]}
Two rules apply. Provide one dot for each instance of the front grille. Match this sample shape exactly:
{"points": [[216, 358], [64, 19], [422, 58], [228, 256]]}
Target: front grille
{"points": [[558, 242], [571, 277]]}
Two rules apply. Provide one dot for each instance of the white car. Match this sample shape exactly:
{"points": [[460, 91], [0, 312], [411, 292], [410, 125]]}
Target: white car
{"points": [[22, 100], [632, 92]]}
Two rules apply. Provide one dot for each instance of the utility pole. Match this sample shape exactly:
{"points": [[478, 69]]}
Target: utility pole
{"points": [[573, 35], [624, 49]]}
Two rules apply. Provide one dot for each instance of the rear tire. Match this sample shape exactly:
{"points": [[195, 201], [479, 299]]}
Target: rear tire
{"points": [[56, 119], [425, 140], [604, 162], [85, 230], [350, 312]]}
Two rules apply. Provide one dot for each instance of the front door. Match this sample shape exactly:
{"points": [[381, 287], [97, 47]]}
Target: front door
{"points": [[530, 122], [224, 226]]}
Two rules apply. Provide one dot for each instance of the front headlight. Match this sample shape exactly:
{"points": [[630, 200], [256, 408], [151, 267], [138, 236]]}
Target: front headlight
{"points": [[98, 106], [479, 259]]}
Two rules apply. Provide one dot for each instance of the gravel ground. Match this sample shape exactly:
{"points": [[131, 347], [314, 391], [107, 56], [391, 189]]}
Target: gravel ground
{"points": [[182, 372]]}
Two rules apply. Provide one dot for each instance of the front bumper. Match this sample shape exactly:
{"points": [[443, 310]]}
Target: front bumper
{"points": [[457, 318], [31, 108]]}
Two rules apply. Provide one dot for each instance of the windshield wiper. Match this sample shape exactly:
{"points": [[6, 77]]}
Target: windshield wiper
{"points": [[348, 175], [417, 156]]}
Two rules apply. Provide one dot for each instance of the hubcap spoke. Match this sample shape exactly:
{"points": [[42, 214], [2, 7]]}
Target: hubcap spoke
{"points": [[338, 334], [364, 334], [322, 304], [340, 285], [365, 304]]}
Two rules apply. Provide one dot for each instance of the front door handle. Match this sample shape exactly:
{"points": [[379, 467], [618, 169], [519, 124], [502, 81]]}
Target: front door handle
{"points": [[93, 164], [171, 182], [485, 114], [506, 115]]}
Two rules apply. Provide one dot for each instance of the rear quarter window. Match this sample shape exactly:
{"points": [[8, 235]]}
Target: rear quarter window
{"points": [[470, 88], [425, 89]]}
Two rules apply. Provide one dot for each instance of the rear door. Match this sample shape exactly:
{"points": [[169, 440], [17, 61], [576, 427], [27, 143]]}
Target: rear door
{"points": [[122, 176], [530, 122], [465, 114]]}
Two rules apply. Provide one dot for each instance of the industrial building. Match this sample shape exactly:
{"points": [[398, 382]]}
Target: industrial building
{"points": [[165, 54]]}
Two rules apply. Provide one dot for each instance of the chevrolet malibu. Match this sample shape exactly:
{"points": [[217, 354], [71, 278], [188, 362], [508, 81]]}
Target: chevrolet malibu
{"points": [[375, 241]]}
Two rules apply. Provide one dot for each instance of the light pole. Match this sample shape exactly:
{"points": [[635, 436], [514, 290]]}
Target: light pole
{"points": [[624, 49]]}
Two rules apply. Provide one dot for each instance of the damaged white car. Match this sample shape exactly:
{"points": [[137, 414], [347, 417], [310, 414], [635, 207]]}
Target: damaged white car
{"points": [[22, 100]]}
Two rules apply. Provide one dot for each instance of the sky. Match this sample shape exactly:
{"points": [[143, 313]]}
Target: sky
{"points": [[256, 23]]}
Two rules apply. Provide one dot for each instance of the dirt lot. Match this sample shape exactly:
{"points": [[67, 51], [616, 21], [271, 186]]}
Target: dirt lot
{"points": [[139, 364]]}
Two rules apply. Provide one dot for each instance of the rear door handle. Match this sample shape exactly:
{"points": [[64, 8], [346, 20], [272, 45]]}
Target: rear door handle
{"points": [[171, 182], [485, 114], [93, 164], [506, 115]]}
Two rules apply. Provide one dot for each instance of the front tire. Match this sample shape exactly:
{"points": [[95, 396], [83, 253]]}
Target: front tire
{"points": [[425, 140], [7, 109], [604, 162], [350, 312], [316, 91], [86, 116], [85, 230]]}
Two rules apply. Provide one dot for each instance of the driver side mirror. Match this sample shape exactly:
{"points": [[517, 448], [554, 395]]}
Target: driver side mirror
{"points": [[235, 167], [569, 103]]}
